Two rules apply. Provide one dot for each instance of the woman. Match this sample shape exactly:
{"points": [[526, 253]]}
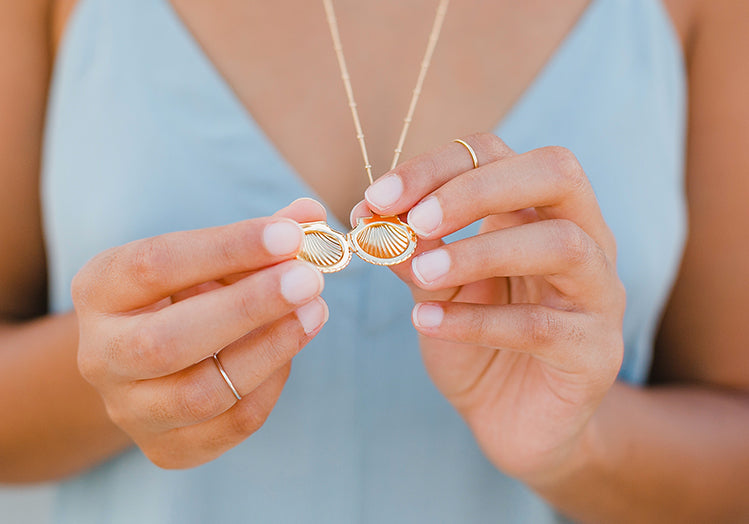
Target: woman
{"points": [[169, 121]]}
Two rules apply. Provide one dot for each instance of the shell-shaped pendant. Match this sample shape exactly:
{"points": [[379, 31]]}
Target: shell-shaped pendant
{"points": [[384, 241], [325, 248]]}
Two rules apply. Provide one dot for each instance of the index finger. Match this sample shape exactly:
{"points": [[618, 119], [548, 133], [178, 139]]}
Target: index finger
{"points": [[143, 272], [550, 180], [399, 190]]}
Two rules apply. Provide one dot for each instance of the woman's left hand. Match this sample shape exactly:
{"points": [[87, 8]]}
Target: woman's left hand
{"points": [[521, 325]]}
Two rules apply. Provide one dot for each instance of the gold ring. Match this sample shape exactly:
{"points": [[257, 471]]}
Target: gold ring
{"points": [[470, 150], [226, 377]]}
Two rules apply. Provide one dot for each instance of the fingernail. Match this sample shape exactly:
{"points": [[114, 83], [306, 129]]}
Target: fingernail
{"points": [[302, 199], [431, 265], [426, 216], [385, 191], [312, 315], [301, 283], [428, 315], [359, 210], [282, 238]]}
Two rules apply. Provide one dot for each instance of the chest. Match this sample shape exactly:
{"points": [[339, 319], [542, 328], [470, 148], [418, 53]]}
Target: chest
{"points": [[278, 59]]}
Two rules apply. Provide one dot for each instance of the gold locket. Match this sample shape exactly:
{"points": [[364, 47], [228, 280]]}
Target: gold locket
{"points": [[384, 241]]}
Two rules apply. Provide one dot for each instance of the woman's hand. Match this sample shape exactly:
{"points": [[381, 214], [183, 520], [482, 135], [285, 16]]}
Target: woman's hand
{"points": [[521, 325], [152, 311]]}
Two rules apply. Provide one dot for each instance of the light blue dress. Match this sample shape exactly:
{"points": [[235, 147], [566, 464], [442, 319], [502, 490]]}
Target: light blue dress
{"points": [[144, 137]]}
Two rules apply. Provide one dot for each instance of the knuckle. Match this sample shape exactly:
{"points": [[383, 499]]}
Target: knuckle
{"points": [[477, 327], [80, 290], [283, 341], [150, 350], [544, 327], [198, 400], [275, 340], [147, 260], [575, 246], [491, 144], [93, 360], [90, 367], [602, 366], [267, 355], [566, 166], [120, 416], [597, 255], [160, 411], [234, 428], [112, 349], [247, 418], [83, 287]]}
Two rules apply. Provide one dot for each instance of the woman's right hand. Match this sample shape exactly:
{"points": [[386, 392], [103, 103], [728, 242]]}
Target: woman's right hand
{"points": [[152, 312]]}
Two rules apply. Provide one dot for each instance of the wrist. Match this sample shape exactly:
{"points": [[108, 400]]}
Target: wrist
{"points": [[578, 457], [589, 458]]}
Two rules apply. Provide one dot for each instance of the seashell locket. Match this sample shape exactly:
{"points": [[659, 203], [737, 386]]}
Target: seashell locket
{"points": [[384, 241]]}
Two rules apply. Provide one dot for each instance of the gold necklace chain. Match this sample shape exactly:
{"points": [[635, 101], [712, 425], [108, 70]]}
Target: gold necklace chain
{"points": [[439, 18], [378, 239]]}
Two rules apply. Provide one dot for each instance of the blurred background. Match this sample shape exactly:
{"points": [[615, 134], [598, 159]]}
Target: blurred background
{"points": [[25, 505]]}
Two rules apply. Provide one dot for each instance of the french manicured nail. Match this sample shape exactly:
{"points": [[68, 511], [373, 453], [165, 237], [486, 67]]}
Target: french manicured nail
{"points": [[301, 283], [308, 199], [431, 265], [428, 315], [359, 210], [312, 315], [385, 191], [282, 238], [426, 216]]}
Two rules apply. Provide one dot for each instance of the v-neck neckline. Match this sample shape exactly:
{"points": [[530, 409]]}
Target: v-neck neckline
{"points": [[543, 76]]}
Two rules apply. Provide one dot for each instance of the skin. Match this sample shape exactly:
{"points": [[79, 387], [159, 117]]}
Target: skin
{"points": [[539, 306], [528, 349], [534, 382], [138, 350]]}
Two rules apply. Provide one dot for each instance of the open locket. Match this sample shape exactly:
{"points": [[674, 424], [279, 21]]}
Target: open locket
{"points": [[384, 241]]}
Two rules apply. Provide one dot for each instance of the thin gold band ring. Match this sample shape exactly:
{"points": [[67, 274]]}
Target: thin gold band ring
{"points": [[226, 377], [465, 144]]}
